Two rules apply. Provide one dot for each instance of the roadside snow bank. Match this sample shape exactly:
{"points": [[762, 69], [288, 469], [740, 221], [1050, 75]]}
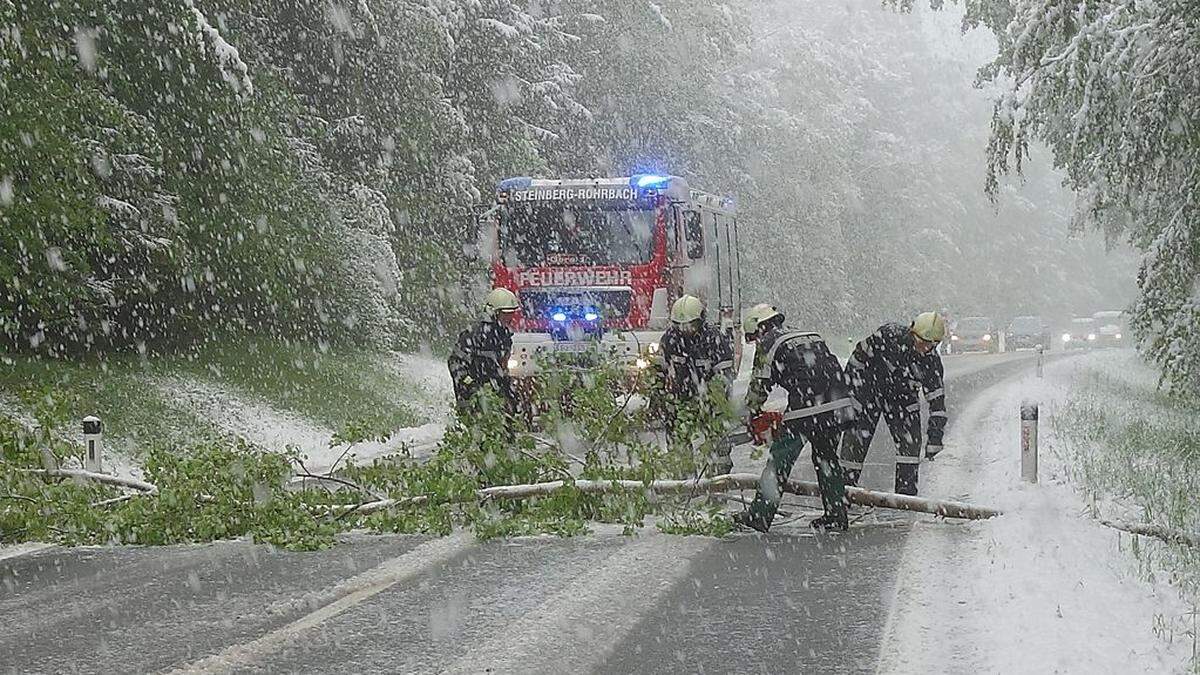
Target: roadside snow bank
{"points": [[1041, 589], [238, 414], [433, 395]]}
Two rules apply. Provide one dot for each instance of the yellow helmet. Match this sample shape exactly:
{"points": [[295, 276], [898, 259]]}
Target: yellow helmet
{"points": [[500, 300], [756, 315], [929, 326], [687, 309]]}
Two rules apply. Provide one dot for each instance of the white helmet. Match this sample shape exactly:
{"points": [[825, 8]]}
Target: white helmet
{"points": [[929, 326], [687, 309], [756, 315], [500, 300]]}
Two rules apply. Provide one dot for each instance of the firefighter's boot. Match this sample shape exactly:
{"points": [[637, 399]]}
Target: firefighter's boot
{"points": [[906, 479], [752, 521], [830, 523], [832, 486]]}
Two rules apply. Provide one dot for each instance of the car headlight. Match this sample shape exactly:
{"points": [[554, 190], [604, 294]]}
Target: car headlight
{"points": [[1117, 336], [653, 347], [953, 337], [513, 364], [987, 337], [1066, 337], [641, 364], [1091, 336]]}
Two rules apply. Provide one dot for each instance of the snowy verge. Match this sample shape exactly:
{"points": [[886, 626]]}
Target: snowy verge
{"points": [[10, 551], [433, 395], [239, 414], [1043, 588]]}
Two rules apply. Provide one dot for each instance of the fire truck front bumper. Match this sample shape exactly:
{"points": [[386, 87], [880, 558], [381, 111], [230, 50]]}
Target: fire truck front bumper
{"points": [[633, 351]]}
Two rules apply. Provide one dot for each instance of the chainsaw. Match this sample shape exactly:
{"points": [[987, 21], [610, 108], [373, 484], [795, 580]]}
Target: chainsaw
{"points": [[763, 429]]}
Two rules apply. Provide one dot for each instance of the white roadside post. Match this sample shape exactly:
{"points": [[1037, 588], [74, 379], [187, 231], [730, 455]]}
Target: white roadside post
{"points": [[1040, 350], [93, 442], [1029, 442]]}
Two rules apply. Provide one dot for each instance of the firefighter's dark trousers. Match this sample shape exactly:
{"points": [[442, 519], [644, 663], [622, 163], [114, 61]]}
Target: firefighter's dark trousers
{"points": [[902, 412], [820, 431]]}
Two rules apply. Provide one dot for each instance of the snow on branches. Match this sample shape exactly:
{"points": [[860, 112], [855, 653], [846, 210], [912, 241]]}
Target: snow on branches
{"points": [[1110, 86], [233, 69]]}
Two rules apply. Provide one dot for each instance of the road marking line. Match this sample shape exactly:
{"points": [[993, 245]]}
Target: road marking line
{"points": [[18, 550], [349, 593], [592, 614]]}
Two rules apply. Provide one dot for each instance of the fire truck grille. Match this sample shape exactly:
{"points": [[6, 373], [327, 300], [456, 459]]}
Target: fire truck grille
{"points": [[612, 303]]}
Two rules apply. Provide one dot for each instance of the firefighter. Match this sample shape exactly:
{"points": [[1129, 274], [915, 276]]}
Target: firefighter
{"points": [[480, 356], [885, 372], [818, 401], [698, 367]]}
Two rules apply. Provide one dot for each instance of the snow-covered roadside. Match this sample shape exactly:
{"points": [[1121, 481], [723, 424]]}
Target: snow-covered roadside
{"points": [[433, 396], [1041, 589], [115, 461], [240, 414]]}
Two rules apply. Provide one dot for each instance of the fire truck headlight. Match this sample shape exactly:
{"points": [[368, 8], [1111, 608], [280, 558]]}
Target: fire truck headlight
{"points": [[1091, 336], [513, 364], [641, 364], [1066, 337], [653, 347], [987, 337], [559, 316]]}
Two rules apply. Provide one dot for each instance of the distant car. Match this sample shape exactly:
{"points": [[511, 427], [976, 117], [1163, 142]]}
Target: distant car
{"points": [[1081, 334], [974, 334], [1112, 329], [1027, 332]]}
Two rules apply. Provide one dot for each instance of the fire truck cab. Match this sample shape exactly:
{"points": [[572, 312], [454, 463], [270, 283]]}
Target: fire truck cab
{"points": [[597, 263]]}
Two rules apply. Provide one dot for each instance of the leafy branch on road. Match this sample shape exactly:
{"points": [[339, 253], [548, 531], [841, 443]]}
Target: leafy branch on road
{"points": [[494, 475], [220, 489]]}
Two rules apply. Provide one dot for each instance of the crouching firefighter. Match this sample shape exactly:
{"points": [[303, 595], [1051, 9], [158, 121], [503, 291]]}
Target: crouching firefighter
{"points": [[480, 356], [885, 372], [698, 368], [818, 401]]}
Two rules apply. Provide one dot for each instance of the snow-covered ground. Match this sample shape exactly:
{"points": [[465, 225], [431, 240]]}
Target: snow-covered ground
{"points": [[239, 414], [1044, 588]]}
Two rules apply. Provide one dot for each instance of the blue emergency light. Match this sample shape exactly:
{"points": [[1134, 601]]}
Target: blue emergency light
{"points": [[650, 181], [574, 323], [514, 183]]}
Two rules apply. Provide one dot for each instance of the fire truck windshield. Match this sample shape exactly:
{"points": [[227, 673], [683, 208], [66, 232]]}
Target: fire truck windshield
{"points": [[534, 234]]}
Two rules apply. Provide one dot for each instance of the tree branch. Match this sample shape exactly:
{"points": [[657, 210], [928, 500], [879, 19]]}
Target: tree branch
{"points": [[736, 481], [102, 478], [1167, 534]]}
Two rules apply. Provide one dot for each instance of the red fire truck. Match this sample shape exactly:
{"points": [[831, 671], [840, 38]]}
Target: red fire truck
{"points": [[596, 263]]}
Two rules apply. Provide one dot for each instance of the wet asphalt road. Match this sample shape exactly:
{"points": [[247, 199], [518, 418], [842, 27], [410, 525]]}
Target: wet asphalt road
{"points": [[788, 601]]}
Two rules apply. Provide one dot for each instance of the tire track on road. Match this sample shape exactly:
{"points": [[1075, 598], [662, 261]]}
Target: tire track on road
{"points": [[349, 593], [589, 616]]}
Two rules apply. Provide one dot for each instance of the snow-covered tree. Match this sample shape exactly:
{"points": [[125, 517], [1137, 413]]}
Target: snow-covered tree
{"points": [[1111, 87]]}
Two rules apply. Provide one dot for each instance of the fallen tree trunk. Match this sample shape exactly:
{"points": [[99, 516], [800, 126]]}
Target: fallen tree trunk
{"points": [[103, 478], [735, 481], [1167, 534]]}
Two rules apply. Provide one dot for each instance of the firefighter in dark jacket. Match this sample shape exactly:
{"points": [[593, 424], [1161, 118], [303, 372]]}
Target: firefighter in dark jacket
{"points": [[886, 371], [698, 367], [480, 356], [818, 402]]}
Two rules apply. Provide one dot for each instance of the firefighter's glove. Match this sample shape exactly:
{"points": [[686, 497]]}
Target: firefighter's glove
{"points": [[764, 427], [932, 450]]}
